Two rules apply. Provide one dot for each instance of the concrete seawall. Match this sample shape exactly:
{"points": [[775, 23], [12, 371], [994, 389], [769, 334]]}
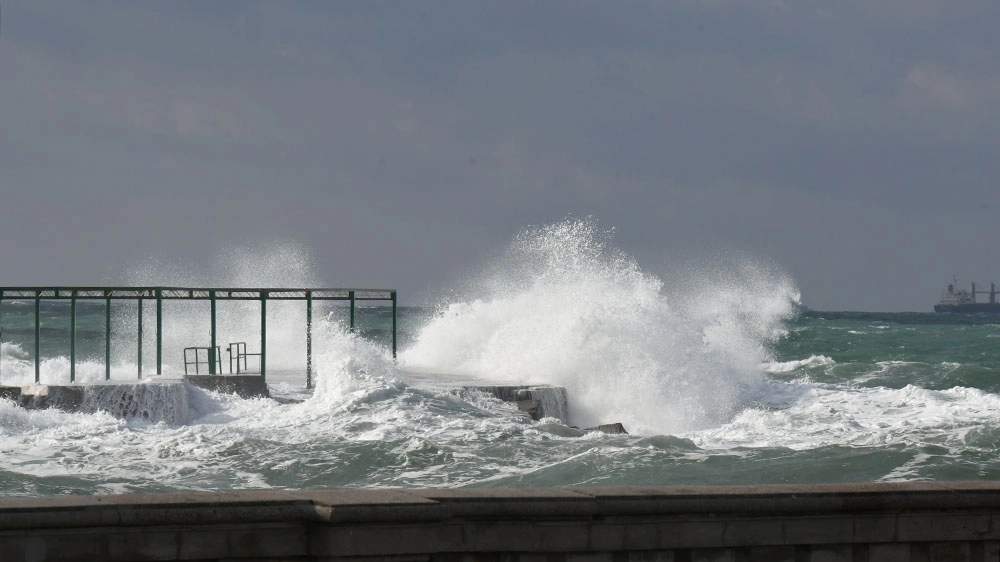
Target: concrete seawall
{"points": [[954, 521]]}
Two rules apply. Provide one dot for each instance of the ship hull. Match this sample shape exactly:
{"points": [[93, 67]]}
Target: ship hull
{"points": [[968, 308]]}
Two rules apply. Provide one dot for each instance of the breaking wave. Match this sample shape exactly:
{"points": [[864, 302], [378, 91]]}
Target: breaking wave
{"points": [[789, 366], [563, 306]]}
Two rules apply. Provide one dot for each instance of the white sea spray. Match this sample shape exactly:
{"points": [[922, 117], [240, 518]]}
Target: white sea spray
{"points": [[563, 306]]}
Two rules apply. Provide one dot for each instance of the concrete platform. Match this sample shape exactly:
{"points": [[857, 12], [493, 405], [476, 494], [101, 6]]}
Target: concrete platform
{"points": [[165, 399], [12, 393], [535, 400], [244, 386], [153, 399], [538, 401]]}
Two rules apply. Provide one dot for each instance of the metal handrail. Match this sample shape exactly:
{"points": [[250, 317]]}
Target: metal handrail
{"points": [[208, 360]]}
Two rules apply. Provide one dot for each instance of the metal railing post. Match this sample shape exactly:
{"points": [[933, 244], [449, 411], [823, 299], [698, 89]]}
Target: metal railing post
{"points": [[394, 324], [107, 338], [159, 332], [211, 351], [309, 338], [139, 359], [72, 338], [38, 337], [263, 335], [351, 295]]}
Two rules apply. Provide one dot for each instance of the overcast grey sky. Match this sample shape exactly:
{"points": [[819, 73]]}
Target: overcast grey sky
{"points": [[853, 142]]}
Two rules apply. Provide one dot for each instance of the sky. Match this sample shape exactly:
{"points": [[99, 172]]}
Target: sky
{"points": [[852, 143]]}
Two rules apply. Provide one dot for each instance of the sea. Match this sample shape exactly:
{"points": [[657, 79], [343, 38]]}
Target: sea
{"points": [[716, 370]]}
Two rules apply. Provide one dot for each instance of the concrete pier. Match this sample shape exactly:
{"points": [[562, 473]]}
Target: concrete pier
{"points": [[160, 400], [12, 393], [535, 400], [167, 399], [925, 521], [140, 399], [538, 401], [244, 386]]}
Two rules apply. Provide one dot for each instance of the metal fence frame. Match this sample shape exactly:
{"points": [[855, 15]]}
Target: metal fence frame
{"points": [[159, 294]]}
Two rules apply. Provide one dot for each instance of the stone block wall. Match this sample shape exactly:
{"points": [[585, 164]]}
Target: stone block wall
{"points": [[857, 523]]}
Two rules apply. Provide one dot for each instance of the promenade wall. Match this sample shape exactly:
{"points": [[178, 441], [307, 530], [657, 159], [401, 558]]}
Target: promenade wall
{"points": [[922, 521]]}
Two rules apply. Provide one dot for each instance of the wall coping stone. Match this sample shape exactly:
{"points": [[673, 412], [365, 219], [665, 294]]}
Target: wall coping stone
{"points": [[439, 504], [568, 523]]}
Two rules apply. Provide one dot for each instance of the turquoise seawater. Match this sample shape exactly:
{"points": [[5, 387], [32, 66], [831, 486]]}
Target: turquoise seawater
{"points": [[841, 398]]}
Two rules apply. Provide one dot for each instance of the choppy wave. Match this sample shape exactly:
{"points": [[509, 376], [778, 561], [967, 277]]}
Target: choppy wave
{"points": [[803, 416], [13, 352], [789, 366]]}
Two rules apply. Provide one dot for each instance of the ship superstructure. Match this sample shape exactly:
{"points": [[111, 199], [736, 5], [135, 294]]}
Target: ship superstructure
{"points": [[960, 300]]}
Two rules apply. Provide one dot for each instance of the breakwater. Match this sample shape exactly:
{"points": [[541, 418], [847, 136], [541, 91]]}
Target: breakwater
{"points": [[856, 522], [164, 400], [167, 399]]}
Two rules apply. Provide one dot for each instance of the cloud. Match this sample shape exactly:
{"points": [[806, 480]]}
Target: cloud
{"points": [[930, 85], [432, 132], [913, 11]]}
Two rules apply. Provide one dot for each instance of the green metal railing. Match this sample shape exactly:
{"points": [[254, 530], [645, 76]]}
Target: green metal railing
{"points": [[141, 294], [213, 365]]}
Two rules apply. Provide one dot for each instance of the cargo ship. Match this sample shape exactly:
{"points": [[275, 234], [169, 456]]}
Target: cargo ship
{"points": [[960, 300]]}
